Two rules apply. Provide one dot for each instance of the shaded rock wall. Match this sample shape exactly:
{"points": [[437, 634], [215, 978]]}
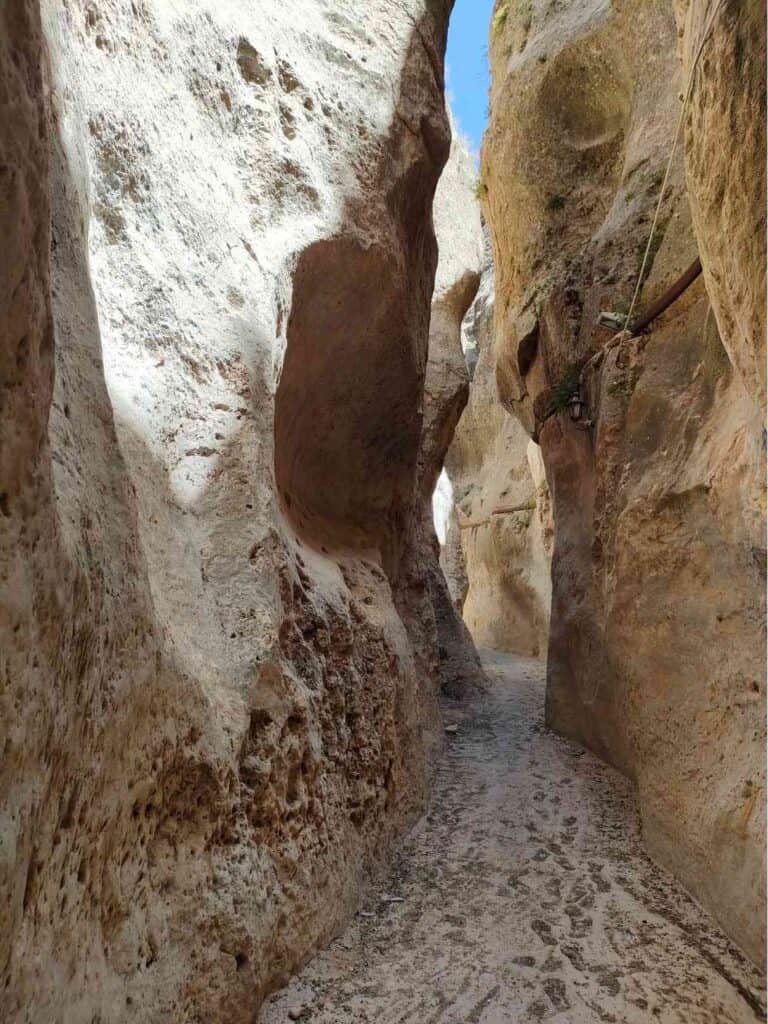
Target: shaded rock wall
{"points": [[493, 464], [216, 284], [446, 390], [657, 644]]}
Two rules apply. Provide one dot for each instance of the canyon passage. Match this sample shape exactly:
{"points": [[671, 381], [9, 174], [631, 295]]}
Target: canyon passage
{"points": [[382, 523], [524, 895]]}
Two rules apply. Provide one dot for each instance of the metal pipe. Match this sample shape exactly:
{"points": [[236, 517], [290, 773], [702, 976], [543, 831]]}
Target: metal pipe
{"points": [[665, 301]]}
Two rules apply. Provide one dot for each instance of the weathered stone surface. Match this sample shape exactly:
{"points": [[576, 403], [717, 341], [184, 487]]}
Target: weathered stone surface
{"points": [[446, 389], [452, 560], [657, 645], [223, 625], [493, 465], [725, 169], [218, 227]]}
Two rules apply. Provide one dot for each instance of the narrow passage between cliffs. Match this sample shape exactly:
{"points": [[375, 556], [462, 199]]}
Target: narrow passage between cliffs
{"points": [[524, 895]]}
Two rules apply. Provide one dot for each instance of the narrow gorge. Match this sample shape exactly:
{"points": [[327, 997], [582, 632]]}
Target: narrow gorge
{"points": [[382, 592]]}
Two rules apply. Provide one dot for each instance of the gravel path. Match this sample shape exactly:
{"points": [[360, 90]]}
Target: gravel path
{"points": [[526, 897]]}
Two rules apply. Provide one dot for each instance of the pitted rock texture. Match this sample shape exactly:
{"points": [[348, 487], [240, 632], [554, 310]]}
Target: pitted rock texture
{"points": [[446, 389], [657, 644], [214, 721], [525, 896], [502, 532], [726, 170]]}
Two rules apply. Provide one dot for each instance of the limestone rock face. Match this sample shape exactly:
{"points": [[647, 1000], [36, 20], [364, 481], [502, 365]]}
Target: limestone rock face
{"points": [[216, 279], [494, 465], [657, 647], [725, 169], [446, 389]]}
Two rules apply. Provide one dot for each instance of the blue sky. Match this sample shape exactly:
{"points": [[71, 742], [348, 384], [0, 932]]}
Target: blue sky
{"points": [[467, 66]]}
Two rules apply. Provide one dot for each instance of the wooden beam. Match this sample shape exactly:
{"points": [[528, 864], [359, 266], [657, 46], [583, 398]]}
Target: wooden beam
{"points": [[471, 523], [499, 510]]}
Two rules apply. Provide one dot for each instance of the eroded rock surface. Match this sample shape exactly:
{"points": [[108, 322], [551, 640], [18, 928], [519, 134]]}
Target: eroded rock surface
{"points": [[503, 527], [725, 169], [657, 647], [216, 282], [446, 390]]}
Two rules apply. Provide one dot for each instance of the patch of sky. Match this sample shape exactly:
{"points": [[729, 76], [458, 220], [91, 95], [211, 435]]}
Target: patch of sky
{"points": [[467, 72]]}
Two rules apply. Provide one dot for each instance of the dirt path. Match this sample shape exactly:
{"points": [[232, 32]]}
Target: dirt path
{"points": [[526, 897]]}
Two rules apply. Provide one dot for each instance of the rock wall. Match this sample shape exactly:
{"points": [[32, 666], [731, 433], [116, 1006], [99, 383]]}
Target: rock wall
{"points": [[657, 646], [216, 297], [494, 465], [446, 390], [725, 171]]}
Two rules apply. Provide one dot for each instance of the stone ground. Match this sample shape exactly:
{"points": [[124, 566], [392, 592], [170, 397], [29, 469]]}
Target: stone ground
{"points": [[524, 895]]}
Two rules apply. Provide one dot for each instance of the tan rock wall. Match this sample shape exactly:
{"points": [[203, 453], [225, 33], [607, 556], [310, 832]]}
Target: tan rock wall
{"points": [[214, 720], [725, 170], [493, 464], [446, 390], [657, 643]]}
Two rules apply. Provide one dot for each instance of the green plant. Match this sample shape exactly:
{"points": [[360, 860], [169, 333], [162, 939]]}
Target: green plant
{"points": [[555, 201], [522, 9], [481, 189], [499, 20], [567, 387], [623, 387]]}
